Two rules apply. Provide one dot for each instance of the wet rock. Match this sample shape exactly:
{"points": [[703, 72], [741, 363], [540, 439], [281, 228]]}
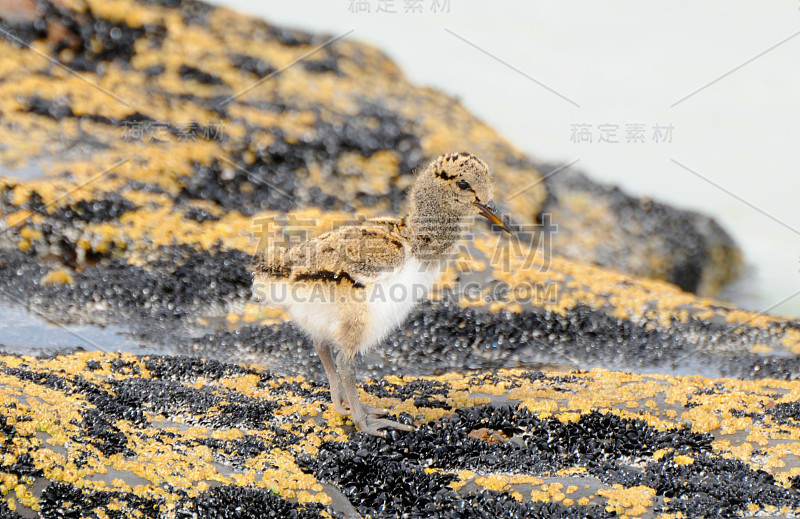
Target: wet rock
{"points": [[195, 74], [155, 437], [687, 238]]}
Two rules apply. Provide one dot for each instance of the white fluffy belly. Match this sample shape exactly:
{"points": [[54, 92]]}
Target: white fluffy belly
{"points": [[387, 302], [315, 310], [390, 300]]}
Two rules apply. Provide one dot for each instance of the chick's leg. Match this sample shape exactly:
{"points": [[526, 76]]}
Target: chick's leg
{"points": [[338, 397], [366, 422], [376, 411]]}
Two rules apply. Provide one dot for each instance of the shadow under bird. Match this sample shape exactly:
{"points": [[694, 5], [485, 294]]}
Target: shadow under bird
{"points": [[351, 287]]}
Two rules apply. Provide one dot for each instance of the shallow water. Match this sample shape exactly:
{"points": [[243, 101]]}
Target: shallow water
{"points": [[31, 170], [30, 333], [27, 333]]}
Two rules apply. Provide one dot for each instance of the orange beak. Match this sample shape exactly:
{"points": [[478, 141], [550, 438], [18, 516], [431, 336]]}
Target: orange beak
{"points": [[489, 211]]}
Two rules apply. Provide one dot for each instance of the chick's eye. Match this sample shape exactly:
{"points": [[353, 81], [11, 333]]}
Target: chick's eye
{"points": [[463, 184]]}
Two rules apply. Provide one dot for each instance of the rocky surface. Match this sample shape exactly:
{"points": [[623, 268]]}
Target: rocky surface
{"points": [[147, 151], [147, 123], [118, 436]]}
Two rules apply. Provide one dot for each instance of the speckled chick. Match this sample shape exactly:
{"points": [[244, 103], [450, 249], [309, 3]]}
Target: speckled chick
{"points": [[351, 287]]}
